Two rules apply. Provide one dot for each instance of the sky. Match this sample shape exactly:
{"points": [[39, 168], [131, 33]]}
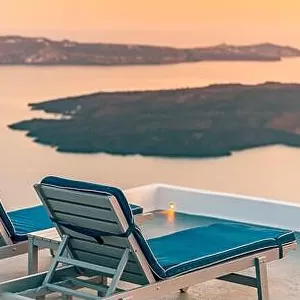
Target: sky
{"points": [[169, 22]]}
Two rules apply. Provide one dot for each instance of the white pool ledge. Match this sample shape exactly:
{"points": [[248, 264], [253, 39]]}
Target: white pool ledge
{"points": [[221, 205]]}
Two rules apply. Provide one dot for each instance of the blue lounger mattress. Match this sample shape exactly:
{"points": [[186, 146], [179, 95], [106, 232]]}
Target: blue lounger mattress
{"points": [[191, 249], [26, 220], [201, 247]]}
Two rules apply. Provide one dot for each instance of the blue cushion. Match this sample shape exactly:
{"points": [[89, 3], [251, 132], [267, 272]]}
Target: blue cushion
{"points": [[28, 220], [200, 247]]}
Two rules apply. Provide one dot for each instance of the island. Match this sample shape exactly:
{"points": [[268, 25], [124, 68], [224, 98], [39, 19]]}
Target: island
{"points": [[194, 122], [18, 50]]}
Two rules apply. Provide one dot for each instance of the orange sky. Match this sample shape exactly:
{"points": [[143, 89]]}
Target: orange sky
{"points": [[213, 20]]}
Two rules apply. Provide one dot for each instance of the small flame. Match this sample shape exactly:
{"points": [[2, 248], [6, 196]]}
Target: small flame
{"points": [[171, 206]]}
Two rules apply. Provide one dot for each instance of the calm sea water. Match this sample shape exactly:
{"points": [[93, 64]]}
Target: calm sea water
{"points": [[268, 172]]}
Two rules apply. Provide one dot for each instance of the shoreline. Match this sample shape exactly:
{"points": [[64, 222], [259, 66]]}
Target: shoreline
{"points": [[155, 64], [42, 51]]}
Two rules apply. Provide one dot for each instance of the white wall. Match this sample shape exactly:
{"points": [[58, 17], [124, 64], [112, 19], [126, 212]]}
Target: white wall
{"points": [[143, 196], [227, 206]]}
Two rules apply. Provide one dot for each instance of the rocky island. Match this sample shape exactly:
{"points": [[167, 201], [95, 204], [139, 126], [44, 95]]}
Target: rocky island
{"points": [[18, 50], [196, 122]]}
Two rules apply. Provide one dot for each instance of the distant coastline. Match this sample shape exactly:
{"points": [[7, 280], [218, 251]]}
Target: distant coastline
{"points": [[40, 51], [198, 122]]}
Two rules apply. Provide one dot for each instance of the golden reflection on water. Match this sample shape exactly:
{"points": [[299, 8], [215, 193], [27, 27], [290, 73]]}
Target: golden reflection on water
{"points": [[170, 213]]}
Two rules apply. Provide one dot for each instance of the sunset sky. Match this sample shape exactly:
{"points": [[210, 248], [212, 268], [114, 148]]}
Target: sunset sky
{"points": [[180, 23]]}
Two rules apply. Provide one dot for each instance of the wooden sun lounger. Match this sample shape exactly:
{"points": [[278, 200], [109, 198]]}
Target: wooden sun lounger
{"points": [[102, 241]]}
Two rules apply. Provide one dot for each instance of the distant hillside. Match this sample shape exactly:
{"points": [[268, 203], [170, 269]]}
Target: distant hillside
{"points": [[17, 50], [197, 122]]}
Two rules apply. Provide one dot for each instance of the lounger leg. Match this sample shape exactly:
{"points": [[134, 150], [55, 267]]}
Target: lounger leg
{"points": [[32, 256], [262, 278]]}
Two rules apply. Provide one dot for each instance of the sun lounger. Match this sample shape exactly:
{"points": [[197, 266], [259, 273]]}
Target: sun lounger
{"points": [[16, 224], [98, 231]]}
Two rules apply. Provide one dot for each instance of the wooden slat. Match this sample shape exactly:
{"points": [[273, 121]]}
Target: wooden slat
{"points": [[50, 233], [82, 209], [105, 261], [86, 265], [94, 247], [88, 223], [108, 240], [76, 197], [133, 278], [13, 250], [129, 277]]}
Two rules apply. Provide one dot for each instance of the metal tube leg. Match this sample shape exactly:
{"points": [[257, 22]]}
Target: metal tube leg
{"points": [[262, 278]]}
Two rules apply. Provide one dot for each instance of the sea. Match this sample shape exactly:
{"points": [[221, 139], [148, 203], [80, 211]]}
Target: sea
{"points": [[268, 172]]}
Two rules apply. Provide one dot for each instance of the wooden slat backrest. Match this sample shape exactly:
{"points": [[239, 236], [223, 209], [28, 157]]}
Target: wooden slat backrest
{"points": [[99, 212]]}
